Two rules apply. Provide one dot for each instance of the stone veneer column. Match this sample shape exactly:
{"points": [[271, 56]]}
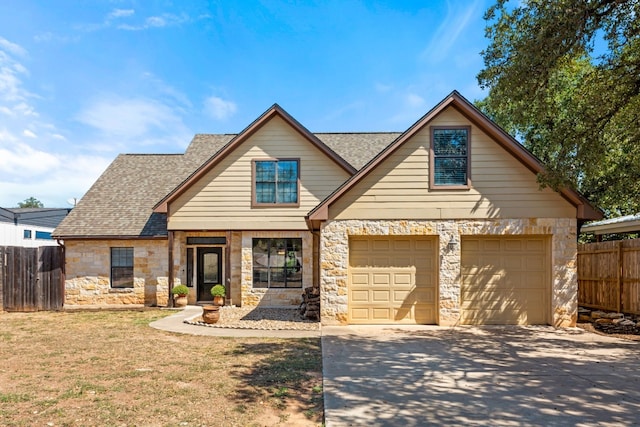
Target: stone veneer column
{"points": [[334, 258]]}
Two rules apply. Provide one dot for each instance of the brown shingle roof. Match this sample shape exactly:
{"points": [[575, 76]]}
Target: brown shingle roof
{"points": [[120, 203]]}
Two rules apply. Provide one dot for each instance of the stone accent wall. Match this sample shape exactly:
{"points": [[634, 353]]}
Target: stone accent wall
{"points": [[233, 277], [334, 260], [88, 273], [276, 297]]}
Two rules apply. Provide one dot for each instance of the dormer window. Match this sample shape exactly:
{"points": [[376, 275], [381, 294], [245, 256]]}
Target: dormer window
{"points": [[276, 183], [449, 157]]}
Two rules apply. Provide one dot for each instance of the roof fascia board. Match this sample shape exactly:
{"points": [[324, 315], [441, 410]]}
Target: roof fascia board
{"points": [[106, 237], [275, 110], [621, 227]]}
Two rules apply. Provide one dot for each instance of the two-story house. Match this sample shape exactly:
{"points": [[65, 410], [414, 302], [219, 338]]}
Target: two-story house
{"points": [[444, 223]]}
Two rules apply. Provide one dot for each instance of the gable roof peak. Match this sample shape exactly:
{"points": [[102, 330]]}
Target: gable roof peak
{"points": [[584, 209], [236, 141]]}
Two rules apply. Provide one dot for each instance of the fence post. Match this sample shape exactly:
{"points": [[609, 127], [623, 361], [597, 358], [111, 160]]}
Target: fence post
{"points": [[620, 275]]}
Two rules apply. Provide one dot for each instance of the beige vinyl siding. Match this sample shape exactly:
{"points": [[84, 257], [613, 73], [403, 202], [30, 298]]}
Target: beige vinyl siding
{"points": [[500, 185], [222, 198]]}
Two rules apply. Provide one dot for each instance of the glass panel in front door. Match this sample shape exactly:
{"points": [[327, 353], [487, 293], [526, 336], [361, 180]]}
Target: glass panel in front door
{"points": [[210, 262]]}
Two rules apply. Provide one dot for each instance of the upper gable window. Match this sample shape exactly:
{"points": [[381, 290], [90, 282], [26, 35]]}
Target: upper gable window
{"points": [[276, 182], [450, 148]]}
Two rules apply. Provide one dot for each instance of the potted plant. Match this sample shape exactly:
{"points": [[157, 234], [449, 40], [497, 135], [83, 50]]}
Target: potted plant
{"points": [[180, 294], [218, 292]]}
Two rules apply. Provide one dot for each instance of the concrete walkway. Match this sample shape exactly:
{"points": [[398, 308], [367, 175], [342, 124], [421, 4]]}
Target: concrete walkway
{"points": [[429, 375], [175, 323]]}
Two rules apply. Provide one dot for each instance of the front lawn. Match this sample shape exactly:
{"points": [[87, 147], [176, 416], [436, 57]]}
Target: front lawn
{"points": [[111, 368]]}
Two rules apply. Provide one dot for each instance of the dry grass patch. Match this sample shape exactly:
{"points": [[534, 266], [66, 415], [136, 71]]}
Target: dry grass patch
{"points": [[111, 368]]}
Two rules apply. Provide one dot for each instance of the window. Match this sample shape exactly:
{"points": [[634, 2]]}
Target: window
{"points": [[276, 182], [277, 263], [43, 235], [450, 157], [26, 234], [122, 267]]}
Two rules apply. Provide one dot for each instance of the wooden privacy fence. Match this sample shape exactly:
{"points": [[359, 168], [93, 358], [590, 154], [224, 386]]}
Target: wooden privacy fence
{"points": [[609, 275], [31, 279]]}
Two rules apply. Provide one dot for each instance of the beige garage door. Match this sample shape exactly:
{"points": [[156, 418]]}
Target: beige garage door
{"points": [[392, 280], [505, 280]]}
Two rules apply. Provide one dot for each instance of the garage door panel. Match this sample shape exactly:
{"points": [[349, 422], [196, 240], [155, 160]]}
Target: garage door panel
{"points": [[380, 296], [514, 245], [405, 279], [381, 313], [400, 283], [360, 279], [381, 245], [536, 245], [359, 296], [505, 280], [359, 313], [402, 245], [512, 262], [380, 279], [535, 263]]}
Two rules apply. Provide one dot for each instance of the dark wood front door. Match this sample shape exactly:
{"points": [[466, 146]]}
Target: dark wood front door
{"points": [[209, 271]]}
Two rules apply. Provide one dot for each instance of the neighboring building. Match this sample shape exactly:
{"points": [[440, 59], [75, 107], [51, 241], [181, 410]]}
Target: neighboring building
{"points": [[619, 225], [29, 227], [444, 223]]}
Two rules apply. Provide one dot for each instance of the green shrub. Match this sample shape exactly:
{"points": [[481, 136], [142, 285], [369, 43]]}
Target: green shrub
{"points": [[218, 291], [180, 290]]}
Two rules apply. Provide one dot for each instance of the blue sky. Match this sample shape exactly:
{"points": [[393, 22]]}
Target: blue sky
{"points": [[81, 82]]}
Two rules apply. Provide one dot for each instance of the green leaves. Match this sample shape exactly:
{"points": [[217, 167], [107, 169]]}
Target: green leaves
{"points": [[564, 77]]}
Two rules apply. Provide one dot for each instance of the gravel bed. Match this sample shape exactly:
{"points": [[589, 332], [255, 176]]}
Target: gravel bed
{"points": [[259, 318]]}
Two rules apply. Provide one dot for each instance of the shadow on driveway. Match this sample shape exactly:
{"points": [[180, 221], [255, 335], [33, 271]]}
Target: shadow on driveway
{"points": [[388, 376]]}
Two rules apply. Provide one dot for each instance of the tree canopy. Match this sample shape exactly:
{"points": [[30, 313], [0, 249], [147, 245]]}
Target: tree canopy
{"points": [[31, 202], [564, 77]]}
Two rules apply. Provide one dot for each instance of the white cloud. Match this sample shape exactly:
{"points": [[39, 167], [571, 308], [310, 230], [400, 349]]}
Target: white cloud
{"points": [[122, 124], [12, 47], [23, 161], [128, 117], [219, 108], [383, 88], [33, 161], [414, 101], [161, 21], [452, 26], [120, 13]]}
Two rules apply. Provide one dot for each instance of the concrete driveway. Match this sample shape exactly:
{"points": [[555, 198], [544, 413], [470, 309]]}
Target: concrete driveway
{"points": [[420, 376]]}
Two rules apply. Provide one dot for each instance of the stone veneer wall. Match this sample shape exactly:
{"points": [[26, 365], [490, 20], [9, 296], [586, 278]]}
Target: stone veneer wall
{"points": [[88, 273], [334, 259], [180, 261], [276, 297]]}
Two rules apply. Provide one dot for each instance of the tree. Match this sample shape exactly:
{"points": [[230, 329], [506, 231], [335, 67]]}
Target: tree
{"points": [[564, 76], [31, 202]]}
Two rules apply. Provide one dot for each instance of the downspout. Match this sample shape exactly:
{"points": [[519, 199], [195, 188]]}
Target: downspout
{"points": [[170, 256], [227, 267]]}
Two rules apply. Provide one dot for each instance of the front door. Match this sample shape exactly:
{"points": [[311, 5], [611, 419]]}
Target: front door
{"points": [[209, 271]]}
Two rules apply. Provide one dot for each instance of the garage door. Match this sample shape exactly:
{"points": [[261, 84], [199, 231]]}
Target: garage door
{"points": [[392, 280], [505, 280]]}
